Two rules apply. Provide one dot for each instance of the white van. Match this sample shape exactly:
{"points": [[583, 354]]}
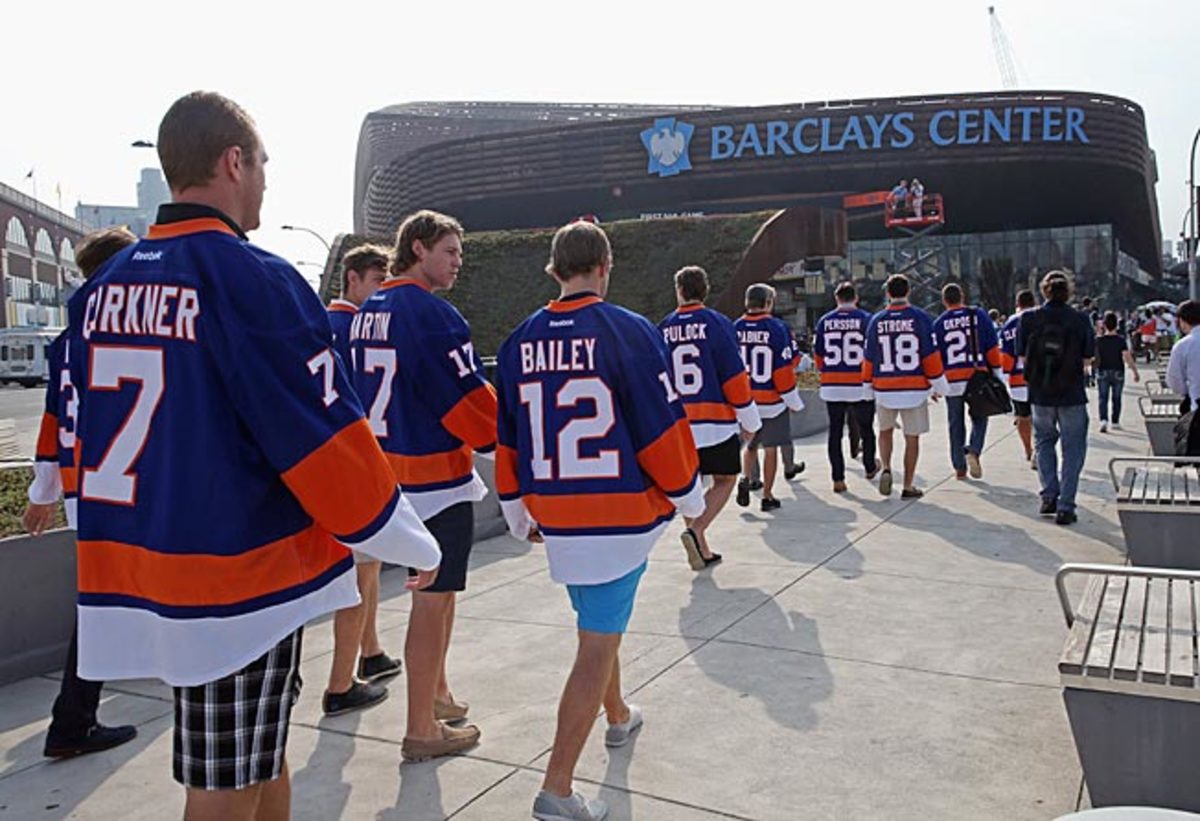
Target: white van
{"points": [[23, 354]]}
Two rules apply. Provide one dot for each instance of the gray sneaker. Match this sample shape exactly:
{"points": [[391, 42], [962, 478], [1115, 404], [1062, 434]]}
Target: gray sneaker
{"points": [[617, 735], [550, 807]]}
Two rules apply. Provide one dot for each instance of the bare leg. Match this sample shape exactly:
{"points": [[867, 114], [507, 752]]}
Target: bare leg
{"points": [[581, 698], [912, 450], [368, 588], [424, 650], [276, 801], [885, 447], [615, 708], [223, 805], [347, 630], [749, 462], [443, 687], [715, 499], [770, 465], [1025, 433]]}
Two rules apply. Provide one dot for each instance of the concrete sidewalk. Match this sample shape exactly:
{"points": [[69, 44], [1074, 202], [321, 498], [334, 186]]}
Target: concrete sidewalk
{"points": [[853, 657]]}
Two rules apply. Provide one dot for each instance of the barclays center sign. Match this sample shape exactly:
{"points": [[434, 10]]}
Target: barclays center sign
{"points": [[668, 141]]}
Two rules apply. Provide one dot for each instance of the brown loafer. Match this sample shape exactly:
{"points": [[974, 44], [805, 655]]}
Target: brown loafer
{"points": [[453, 740], [450, 712]]}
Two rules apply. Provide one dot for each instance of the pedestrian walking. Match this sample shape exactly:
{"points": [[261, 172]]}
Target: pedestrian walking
{"points": [[1112, 357]]}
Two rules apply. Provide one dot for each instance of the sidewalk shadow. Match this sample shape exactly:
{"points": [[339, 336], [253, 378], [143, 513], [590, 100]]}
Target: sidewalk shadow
{"points": [[785, 529], [791, 684], [1025, 501], [615, 789], [420, 794], [323, 774]]}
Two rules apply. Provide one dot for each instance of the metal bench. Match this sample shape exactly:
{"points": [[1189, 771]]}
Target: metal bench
{"points": [[1130, 684], [1160, 392], [1160, 419], [1158, 503]]}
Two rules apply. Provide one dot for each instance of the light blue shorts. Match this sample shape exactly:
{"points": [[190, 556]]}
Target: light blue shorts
{"points": [[606, 608]]}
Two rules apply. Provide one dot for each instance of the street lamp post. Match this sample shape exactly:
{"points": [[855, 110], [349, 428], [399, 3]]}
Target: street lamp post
{"points": [[1193, 285], [323, 241]]}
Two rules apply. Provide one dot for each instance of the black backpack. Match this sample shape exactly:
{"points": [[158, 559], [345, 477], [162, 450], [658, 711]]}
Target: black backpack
{"points": [[1053, 357]]}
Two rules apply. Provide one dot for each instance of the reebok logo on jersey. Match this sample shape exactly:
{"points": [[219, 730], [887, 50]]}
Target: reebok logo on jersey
{"points": [[147, 256], [561, 323]]}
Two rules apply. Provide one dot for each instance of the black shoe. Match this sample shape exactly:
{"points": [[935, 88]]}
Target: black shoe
{"points": [[709, 561], [360, 696], [794, 471], [756, 485], [96, 739], [1049, 507], [911, 493], [743, 493], [1065, 517], [770, 504], [378, 667]]}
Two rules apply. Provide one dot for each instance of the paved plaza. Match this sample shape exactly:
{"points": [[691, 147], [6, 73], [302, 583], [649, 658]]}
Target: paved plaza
{"points": [[853, 657]]}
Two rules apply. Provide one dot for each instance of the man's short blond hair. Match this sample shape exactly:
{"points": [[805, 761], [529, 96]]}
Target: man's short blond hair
{"points": [[426, 227], [577, 249]]}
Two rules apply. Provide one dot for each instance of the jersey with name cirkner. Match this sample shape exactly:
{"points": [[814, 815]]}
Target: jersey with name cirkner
{"points": [[709, 374], [341, 313], [959, 332], [594, 444], [766, 348], [422, 385], [840, 340], [220, 451], [901, 362], [1014, 366]]}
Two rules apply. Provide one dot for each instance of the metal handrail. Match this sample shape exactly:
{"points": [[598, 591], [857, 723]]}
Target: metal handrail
{"points": [[1072, 568], [1159, 400], [1160, 460], [1164, 390]]}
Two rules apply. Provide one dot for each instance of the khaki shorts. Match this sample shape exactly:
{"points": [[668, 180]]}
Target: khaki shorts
{"points": [[913, 421]]}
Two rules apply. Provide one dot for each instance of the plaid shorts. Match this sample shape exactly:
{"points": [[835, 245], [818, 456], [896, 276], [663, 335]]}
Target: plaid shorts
{"points": [[232, 733]]}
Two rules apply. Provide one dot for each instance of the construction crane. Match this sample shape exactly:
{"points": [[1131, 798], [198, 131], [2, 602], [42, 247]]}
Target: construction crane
{"points": [[1003, 51]]}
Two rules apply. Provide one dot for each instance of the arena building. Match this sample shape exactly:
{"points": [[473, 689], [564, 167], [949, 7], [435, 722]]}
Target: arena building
{"points": [[1030, 181]]}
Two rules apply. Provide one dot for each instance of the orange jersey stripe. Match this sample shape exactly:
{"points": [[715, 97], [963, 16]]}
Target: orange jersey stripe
{"points": [[47, 441], [993, 357], [193, 579], [185, 227], [709, 412], [900, 383], [841, 378], [932, 365], [70, 480], [766, 397], [671, 459], [507, 483], [737, 390], [473, 418], [344, 484], [582, 510], [959, 374], [868, 370], [784, 378], [431, 468]]}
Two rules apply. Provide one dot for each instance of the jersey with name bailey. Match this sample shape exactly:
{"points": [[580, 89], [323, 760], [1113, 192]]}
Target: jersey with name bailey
{"points": [[709, 374], [341, 313], [840, 339], [594, 446], [1014, 366], [766, 347], [220, 449], [54, 474], [901, 362], [959, 333], [422, 384]]}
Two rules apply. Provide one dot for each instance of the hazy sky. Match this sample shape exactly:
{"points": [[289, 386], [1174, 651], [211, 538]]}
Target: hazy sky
{"points": [[83, 80]]}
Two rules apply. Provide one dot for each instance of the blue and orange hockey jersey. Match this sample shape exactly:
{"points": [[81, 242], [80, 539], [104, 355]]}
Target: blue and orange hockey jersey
{"points": [[1013, 365], [220, 451], [838, 347], [422, 384], [341, 313], [54, 473], [594, 444], [766, 346], [901, 362], [708, 374], [960, 332]]}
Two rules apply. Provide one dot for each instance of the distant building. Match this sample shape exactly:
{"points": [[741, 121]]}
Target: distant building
{"points": [[37, 260], [151, 192]]}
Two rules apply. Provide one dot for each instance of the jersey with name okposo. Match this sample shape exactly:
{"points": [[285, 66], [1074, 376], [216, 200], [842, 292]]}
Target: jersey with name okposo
{"points": [[766, 346], [219, 449], [1013, 365], [341, 313], [54, 472], [422, 384], [709, 374], [840, 340], [959, 333], [594, 444], [901, 361]]}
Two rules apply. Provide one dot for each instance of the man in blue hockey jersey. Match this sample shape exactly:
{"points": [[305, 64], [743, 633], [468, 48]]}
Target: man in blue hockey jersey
{"points": [[712, 382], [595, 448]]}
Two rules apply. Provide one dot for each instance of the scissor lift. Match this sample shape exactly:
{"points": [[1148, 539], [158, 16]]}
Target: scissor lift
{"points": [[920, 255]]}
